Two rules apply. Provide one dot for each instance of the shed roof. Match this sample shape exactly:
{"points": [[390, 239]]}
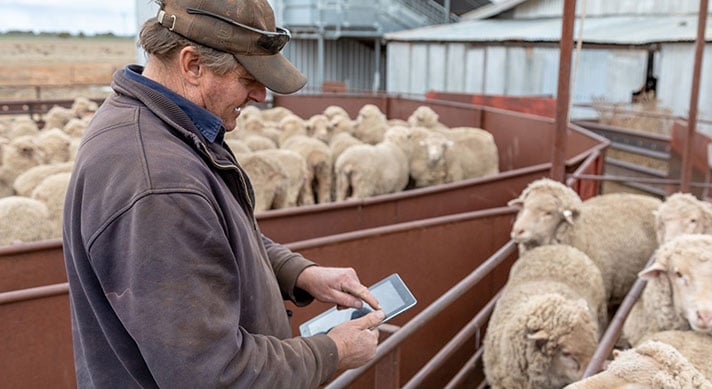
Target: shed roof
{"points": [[617, 30]]}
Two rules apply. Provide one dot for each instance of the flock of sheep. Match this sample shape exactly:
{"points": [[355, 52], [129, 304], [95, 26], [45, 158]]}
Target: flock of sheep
{"points": [[577, 260], [291, 161]]}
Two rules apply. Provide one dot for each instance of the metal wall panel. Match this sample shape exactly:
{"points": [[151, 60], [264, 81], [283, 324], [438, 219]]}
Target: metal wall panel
{"points": [[554, 8]]}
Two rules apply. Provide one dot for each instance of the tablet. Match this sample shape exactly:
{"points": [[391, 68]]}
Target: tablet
{"points": [[391, 292]]}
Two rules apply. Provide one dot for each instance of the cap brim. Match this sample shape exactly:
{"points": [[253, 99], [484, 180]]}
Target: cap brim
{"points": [[274, 71]]}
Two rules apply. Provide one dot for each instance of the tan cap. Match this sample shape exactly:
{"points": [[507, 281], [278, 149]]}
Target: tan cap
{"points": [[243, 28]]}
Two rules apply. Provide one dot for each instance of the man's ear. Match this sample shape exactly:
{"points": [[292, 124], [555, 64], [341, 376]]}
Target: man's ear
{"points": [[189, 63]]}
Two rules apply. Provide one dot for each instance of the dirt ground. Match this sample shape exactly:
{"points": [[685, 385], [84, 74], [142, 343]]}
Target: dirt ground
{"points": [[38, 67]]}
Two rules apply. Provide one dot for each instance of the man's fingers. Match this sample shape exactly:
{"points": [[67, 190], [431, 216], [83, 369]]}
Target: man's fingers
{"points": [[371, 320], [362, 293]]}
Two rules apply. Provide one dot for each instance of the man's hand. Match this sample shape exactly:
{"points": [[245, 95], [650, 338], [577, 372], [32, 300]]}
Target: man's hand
{"points": [[336, 285], [355, 341]]}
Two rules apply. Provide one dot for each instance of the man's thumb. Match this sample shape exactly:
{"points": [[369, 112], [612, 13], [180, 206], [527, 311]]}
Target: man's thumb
{"points": [[372, 319]]}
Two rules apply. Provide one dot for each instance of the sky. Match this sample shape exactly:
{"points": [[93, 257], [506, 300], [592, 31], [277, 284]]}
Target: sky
{"points": [[87, 16]]}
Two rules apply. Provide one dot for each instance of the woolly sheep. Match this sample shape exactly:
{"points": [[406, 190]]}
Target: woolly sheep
{"points": [[83, 107], [370, 124], [54, 143], [291, 125], [693, 345], [26, 182], [58, 117], [682, 213], [425, 117], [18, 156], [472, 153], [74, 148], [339, 124], [320, 165], [340, 142], [653, 364], [333, 111], [678, 293], [297, 172], [269, 180], [616, 230], [52, 191], [275, 114], [75, 127], [238, 146], [259, 142], [246, 113], [29, 220], [368, 170], [318, 127], [426, 154], [546, 325], [21, 126]]}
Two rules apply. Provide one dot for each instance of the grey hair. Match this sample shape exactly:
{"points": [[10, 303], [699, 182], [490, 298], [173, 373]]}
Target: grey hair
{"points": [[164, 44]]}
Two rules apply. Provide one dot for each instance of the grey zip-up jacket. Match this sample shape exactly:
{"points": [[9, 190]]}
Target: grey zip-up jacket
{"points": [[171, 282]]}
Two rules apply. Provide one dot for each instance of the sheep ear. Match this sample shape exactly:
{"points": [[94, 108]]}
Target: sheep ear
{"points": [[516, 203], [540, 338], [616, 353], [655, 270], [569, 216]]}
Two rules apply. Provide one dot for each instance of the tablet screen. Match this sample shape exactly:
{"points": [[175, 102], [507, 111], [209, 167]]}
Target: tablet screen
{"points": [[391, 293]]}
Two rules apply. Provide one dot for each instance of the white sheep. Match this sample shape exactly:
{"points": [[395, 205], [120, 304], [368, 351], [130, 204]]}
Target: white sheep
{"points": [[370, 124], [18, 156], [682, 213], [237, 146], [289, 126], [269, 180], [426, 154], [75, 127], [340, 142], [678, 292], [653, 364], [425, 117], [616, 230], [368, 170], [20, 126], [258, 142], [58, 117], [275, 114], [26, 182], [54, 143], [546, 325], [472, 153], [297, 172], [318, 127], [23, 220], [693, 345], [83, 107], [320, 164], [52, 191], [333, 111], [246, 113]]}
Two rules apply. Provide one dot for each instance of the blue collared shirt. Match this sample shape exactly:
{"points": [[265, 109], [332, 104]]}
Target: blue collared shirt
{"points": [[209, 124]]}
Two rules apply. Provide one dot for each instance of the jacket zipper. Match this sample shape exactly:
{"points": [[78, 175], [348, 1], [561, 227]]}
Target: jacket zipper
{"points": [[205, 152]]}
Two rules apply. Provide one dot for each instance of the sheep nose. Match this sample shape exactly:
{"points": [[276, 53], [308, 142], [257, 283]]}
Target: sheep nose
{"points": [[704, 318], [516, 231]]}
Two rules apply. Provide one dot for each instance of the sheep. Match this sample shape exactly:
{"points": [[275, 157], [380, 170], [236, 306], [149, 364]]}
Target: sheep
{"points": [[340, 142], [20, 154], [74, 148], [546, 325], [320, 165], [339, 124], [425, 117], [20, 126], [616, 230], [682, 213], [58, 117], [653, 364], [55, 145], [297, 172], [26, 182], [318, 127], [693, 345], [237, 146], [259, 142], [269, 180], [52, 191], [370, 125], [83, 107], [75, 127], [333, 111], [29, 220], [368, 170], [275, 114], [472, 153], [246, 113], [678, 294], [291, 125], [426, 154]]}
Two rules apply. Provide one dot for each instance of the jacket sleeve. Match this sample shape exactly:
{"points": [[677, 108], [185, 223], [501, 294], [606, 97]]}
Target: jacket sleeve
{"points": [[171, 281], [287, 266]]}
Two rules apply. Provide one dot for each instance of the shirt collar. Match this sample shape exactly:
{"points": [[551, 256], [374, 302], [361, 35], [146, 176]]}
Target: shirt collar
{"points": [[209, 124]]}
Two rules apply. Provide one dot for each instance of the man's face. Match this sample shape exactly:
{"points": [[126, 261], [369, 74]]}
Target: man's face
{"points": [[224, 94]]}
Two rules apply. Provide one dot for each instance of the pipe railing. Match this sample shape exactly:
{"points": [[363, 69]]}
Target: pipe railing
{"points": [[428, 314]]}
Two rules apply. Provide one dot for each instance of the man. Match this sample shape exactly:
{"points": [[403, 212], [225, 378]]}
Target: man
{"points": [[172, 284]]}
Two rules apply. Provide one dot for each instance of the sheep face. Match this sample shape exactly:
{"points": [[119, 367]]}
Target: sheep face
{"points": [[681, 214], [687, 262], [562, 338], [539, 219]]}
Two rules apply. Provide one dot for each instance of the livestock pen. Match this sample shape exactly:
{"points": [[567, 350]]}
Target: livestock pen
{"points": [[432, 236]]}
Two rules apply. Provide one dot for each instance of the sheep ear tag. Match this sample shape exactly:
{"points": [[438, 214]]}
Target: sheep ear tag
{"points": [[516, 203], [569, 216]]}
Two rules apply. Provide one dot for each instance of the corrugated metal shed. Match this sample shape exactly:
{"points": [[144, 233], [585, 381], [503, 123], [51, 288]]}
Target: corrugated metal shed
{"points": [[617, 30]]}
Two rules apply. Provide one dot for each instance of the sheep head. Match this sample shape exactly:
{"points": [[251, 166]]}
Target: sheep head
{"points": [[682, 213], [687, 263], [546, 209], [561, 336]]}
